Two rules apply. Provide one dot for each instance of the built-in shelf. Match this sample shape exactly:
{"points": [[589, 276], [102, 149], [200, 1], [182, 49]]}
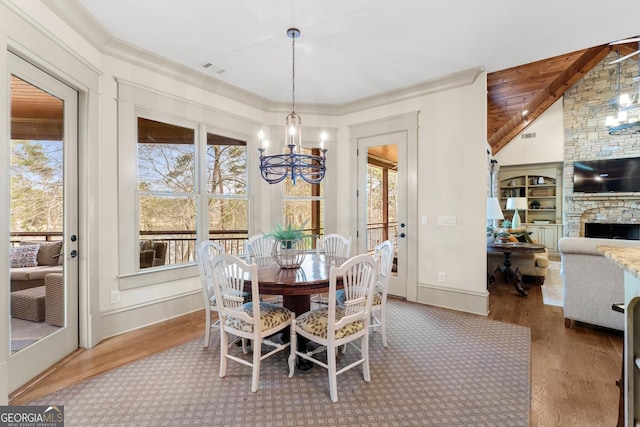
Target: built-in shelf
{"points": [[542, 186]]}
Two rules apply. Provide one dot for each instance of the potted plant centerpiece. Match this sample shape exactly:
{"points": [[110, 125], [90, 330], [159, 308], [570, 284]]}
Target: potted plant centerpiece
{"points": [[289, 248]]}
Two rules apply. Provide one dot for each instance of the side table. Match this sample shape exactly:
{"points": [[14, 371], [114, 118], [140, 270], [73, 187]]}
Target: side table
{"points": [[513, 248]]}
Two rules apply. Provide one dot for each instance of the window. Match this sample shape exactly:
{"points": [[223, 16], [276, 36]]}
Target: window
{"points": [[304, 203], [36, 172], [180, 181], [226, 188], [382, 221], [168, 195]]}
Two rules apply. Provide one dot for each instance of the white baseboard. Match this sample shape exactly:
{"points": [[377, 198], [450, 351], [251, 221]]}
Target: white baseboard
{"points": [[121, 321], [455, 299]]}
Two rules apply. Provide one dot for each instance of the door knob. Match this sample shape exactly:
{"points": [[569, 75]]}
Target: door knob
{"points": [[401, 235], [74, 253]]}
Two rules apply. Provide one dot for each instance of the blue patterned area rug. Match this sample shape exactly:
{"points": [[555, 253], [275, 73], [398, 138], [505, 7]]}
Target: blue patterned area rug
{"points": [[442, 368]]}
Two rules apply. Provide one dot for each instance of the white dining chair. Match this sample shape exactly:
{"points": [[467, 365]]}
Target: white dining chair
{"points": [[206, 251], [257, 320], [334, 245], [259, 246], [334, 326], [385, 253], [331, 245]]}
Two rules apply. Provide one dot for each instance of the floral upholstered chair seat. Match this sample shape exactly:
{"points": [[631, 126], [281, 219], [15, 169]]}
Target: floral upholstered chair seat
{"points": [[315, 322], [271, 315]]}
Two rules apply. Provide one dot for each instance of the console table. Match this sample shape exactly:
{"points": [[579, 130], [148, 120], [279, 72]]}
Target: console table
{"points": [[628, 258], [513, 248]]}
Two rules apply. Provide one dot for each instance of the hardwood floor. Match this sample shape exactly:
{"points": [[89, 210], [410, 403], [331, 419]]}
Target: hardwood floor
{"points": [[573, 371]]}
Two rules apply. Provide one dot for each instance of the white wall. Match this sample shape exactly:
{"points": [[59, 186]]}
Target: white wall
{"points": [[546, 147], [450, 181]]}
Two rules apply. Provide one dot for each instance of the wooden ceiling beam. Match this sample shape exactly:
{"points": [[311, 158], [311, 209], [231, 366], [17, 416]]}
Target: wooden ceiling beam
{"points": [[584, 61]]}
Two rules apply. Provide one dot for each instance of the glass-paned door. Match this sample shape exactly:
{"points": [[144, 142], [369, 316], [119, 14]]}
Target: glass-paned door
{"points": [[382, 200], [43, 216]]}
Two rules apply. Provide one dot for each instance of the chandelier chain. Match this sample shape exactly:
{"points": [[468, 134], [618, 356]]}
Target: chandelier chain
{"points": [[293, 73]]}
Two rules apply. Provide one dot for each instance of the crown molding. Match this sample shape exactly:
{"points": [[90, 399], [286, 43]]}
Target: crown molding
{"points": [[119, 49], [448, 82], [78, 18]]}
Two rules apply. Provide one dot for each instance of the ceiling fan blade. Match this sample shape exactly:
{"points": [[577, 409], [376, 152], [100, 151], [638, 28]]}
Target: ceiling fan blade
{"points": [[624, 57], [634, 39]]}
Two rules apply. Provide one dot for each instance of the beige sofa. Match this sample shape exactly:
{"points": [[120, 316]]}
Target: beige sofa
{"points": [[592, 283], [49, 260]]}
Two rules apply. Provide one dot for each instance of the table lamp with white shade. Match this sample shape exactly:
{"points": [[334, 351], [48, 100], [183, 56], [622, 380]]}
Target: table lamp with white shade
{"points": [[494, 211], [516, 203]]}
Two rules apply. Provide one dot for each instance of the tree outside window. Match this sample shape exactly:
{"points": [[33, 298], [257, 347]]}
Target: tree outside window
{"points": [[382, 209], [168, 192], [228, 204]]}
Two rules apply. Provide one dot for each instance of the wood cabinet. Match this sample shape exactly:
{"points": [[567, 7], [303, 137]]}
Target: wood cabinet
{"points": [[542, 186], [546, 235]]}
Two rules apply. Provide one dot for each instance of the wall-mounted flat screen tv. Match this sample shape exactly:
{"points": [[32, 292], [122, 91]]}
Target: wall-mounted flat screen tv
{"points": [[605, 176]]}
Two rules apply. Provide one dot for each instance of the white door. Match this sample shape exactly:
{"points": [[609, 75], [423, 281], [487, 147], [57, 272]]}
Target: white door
{"points": [[43, 209], [382, 195]]}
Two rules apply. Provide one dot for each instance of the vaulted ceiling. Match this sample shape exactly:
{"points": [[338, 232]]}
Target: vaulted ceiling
{"points": [[535, 87]]}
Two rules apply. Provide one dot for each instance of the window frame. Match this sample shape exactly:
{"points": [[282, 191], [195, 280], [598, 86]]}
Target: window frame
{"points": [[202, 232], [134, 101], [194, 194], [328, 197]]}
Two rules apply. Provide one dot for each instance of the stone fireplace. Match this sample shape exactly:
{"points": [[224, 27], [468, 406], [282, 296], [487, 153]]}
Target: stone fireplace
{"points": [[586, 106], [606, 208]]}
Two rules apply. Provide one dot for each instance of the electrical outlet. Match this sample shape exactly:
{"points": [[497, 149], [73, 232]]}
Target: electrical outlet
{"points": [[423, 220], [115, 296], [442, 277]]}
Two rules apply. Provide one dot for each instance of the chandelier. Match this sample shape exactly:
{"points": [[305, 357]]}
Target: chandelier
{"points": [[627, 119], [293, 163]]}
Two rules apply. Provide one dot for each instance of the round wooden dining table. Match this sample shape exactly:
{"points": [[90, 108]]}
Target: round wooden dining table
{"points": [[296, 285]]}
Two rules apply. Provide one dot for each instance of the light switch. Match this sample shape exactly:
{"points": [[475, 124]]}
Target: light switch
{"points": [[447, 221]]}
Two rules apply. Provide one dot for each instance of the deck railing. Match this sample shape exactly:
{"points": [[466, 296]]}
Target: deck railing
{"points": [[181, 244], [46, 236], [379, 232]]}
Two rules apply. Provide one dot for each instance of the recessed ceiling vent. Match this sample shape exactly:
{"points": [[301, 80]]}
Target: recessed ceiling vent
{"points": [[210, 67], [528, 135]]}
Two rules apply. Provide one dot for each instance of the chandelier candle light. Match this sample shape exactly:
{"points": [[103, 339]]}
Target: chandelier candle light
{"points": [[293, 163]]}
